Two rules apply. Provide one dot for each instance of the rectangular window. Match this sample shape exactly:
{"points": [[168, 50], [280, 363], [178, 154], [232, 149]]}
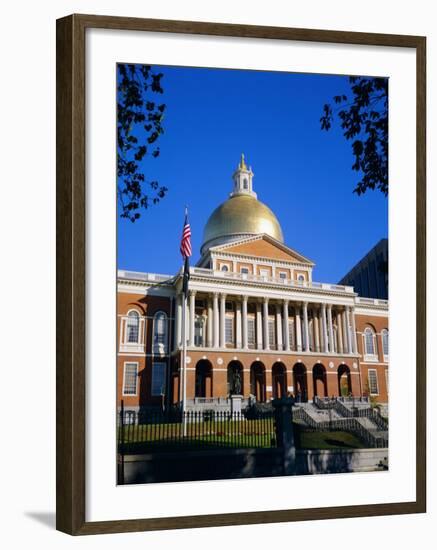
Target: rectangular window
{"points": [[272, 333], [373, 382], [158, 378], [130, 378], [160, 330], [229, 330], [385, 344], [132, 329], [199, 332], [283, 275], [244, 270], [251, 331], [264, 272]]}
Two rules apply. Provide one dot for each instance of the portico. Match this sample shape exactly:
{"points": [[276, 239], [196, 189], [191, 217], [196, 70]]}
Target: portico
{"points": [[228, 319]]}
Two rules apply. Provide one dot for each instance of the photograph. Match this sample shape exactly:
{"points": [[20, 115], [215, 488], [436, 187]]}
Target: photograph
{"points": [[252, 274]]}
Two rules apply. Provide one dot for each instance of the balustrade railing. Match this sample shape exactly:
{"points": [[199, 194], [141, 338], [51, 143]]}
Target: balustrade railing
{"points": [[339, 405], [349, 424], [266, 278]]}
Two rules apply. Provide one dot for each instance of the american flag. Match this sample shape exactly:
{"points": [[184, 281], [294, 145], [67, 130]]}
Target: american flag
{"points": [[186, 252], [186, 238]]}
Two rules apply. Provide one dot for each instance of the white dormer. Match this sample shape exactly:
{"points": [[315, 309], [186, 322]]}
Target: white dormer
{"points": [[242, 177]]}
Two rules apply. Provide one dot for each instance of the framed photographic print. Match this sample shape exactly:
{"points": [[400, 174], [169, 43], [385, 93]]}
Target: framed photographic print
{"points": [[240, 274]]}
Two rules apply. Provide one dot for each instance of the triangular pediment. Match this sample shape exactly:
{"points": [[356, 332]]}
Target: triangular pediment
{"points": [[263, 246]]}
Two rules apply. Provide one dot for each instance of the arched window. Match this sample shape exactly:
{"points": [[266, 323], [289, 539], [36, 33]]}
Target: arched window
{"points": [[132, 327], [224, 268], [160, 332], [369, 344], [384, 335], [245, 184]]}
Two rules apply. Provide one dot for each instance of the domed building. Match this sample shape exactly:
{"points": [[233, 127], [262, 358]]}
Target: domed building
{"points": [[256, 326]]}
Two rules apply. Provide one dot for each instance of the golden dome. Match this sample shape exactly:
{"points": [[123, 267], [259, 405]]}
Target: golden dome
{"points": [[240, 216]]}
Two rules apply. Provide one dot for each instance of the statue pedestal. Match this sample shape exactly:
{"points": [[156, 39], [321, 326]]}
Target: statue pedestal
{"points": [[236, 401]]}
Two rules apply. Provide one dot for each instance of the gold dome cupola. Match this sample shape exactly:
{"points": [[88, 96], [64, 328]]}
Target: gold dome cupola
{"points": [[242, 177], [242, 215]]}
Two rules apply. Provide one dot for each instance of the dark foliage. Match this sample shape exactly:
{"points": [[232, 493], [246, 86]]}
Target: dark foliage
{"points": [[139, 125], [364, 119], [258, 410]]}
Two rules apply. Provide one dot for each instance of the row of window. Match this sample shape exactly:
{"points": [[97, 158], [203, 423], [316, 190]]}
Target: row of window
{"points": [[159, 339], [200, 336], [160, 334], [370, 346], [130, 378], [264, 273]]}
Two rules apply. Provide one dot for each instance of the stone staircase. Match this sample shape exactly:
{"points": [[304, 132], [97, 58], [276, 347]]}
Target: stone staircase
{"points": [[330, 414]]}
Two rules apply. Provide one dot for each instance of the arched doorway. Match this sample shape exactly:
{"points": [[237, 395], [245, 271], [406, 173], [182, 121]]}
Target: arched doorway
{"points": [[279, 380], [258, 381], [300, 382], [235, 378], [319, 381], [344, 381], [203, 384]]}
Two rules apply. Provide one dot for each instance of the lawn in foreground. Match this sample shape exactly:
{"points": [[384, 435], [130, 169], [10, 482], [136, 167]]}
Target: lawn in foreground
{"points": [[210, 435], [254, 433]]}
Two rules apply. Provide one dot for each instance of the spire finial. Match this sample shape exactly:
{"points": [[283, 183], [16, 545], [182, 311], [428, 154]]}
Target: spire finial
{"points": [[242, 163]]}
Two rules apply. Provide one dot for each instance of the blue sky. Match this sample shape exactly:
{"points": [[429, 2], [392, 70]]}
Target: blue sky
{"points": [[302, 173]]}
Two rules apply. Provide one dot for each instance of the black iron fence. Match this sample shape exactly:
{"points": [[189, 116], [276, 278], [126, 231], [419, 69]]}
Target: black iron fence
{"points": [[157, 431]]}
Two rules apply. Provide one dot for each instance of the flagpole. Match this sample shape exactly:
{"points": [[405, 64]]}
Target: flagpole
{"points": [[186, 253], [184, 363]]}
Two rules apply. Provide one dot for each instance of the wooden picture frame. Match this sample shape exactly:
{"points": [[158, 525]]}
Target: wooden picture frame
{"points": [[71, 253]]}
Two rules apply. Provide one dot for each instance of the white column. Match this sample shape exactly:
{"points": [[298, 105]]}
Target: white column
{"points": [[216, 320], [278, 327], [259, 327], [348, 325], [322, 341], [324, 331], [266, 323], [316, 330], [244, 323], [330, 330], [192, 316], [298, 328], [345, 331], [285, 325], [222, 320], [238, 335], [339, 333], [178, 322], [210, 325], [305, 326], [354, 331]]}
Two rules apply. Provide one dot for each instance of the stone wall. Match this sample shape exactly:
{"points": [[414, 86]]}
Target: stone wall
{"points": [[245, 463]]}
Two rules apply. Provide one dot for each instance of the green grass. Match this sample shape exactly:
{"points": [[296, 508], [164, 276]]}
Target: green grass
{"points": [[202, 435], [329, 440], [207, 435]]}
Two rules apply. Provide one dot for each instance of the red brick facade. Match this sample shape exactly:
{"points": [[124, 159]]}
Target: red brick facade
{"points": [[266, 374]]}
